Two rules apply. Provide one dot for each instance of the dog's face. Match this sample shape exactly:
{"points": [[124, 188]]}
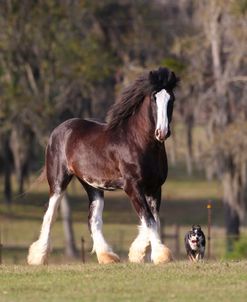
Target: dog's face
{"points": [[195, 237]]}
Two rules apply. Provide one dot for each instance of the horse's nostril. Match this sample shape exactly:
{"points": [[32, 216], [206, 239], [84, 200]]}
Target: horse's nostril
{"points": [[160, 135], [157, 132]]}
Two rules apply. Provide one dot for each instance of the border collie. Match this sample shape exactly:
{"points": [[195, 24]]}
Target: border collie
{"points": [[195, 243]]}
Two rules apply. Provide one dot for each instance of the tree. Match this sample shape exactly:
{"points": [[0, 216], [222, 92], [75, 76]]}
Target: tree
{"points": [[216, 52]]}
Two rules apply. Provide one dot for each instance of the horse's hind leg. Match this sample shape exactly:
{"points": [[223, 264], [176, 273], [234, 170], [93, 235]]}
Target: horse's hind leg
{"points": [[58, 179], [100, 246], [40, 249]]}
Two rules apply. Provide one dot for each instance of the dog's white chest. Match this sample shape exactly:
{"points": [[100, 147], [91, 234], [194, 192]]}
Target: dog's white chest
{"points": [[193, 245]]}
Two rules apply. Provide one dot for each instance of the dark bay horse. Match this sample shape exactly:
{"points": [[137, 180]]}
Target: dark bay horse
{"points": [[125, 153]]}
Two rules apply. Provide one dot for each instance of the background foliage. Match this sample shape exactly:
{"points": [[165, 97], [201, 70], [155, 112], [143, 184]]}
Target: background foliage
{"points": [[63, 59]]}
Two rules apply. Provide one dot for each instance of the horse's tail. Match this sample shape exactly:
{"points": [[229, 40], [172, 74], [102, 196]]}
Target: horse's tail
{"points": [[42, 176]]}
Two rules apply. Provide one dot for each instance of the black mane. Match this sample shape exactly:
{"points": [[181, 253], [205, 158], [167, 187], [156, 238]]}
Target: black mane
{"points": [[133, 96]]}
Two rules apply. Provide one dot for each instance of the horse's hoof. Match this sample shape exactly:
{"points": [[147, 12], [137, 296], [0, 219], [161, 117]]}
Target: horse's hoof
{"points": [[164, 255], [37, 255], [108, 257]]}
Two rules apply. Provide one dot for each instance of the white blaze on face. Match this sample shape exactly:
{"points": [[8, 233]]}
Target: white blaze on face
{"points": [[161, 99]]}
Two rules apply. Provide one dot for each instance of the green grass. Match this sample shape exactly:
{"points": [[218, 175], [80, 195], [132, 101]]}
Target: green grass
{"points": [[178, 281], [185, 204]]}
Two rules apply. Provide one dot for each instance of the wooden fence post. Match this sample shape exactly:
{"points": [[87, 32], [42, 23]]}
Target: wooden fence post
{"points": [[177, 231], [209, 207], [1, 246], [162, 233], [82, 250]]}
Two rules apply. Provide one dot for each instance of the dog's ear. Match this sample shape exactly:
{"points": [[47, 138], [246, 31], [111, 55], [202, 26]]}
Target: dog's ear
{"points": [[195, 226]]}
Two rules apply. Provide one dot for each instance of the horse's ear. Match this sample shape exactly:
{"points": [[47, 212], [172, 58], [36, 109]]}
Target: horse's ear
{"points": [[163, 78], [173, 80], [153, 77]]}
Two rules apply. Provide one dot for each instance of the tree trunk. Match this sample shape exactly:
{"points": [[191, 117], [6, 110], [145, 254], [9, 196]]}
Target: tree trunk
{"points": [[189, 141], [232, 227], [232, 192], [20, 144], [70, 247], [228, 169], [7, 172]]}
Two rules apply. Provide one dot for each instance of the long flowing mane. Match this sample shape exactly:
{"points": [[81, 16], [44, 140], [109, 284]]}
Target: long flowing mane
{"points": [[132, 96]]}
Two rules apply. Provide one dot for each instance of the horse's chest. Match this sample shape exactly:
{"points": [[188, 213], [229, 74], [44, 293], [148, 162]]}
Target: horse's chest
{"points": [[154, 169]]}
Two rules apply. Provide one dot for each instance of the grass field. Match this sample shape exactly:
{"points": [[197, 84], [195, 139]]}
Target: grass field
{"points": [[178, 281], [69, 280]]}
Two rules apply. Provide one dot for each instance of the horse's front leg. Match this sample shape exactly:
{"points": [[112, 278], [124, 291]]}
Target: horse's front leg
{"points": [[149, 229], [100, 246], [154, 201], [139, 246], [159, 253]]}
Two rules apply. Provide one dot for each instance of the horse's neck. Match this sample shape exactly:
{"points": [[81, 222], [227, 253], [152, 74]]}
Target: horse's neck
{"points": [[141, 126]]}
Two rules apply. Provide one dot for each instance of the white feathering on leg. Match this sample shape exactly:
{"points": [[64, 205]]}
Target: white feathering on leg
{"points": [[160, 253], [103, 250], [39, 250], [138, 247]]}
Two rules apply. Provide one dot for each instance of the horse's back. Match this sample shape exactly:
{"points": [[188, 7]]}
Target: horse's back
{"points": [[74, 129], [77, 124], [72, 135]]}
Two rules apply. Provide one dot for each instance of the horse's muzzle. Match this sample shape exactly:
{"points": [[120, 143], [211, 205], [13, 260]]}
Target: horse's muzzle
{"points": [[160, 135]]}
